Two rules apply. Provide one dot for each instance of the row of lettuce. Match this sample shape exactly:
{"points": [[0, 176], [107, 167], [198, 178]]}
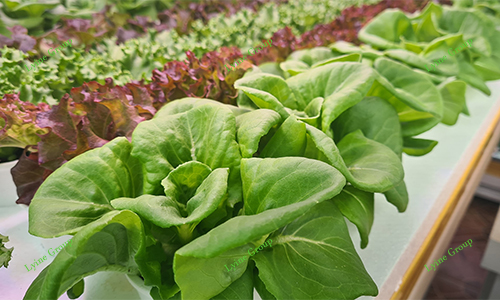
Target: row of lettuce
{"points": [[99, 113], [53, 138], [135, 59], [310, 142], [105, 20], [40, 17]]}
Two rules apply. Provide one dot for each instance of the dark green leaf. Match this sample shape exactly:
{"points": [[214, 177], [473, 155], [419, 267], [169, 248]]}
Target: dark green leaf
{"points": [[418, 147], [77, 290], [358, 207], [398, 196]]}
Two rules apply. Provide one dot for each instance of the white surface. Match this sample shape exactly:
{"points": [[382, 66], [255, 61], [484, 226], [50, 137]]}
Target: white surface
{"points": [[8, 193], [15, 280]]}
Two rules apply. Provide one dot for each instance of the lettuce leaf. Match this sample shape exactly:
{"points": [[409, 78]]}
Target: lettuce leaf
{"points": [[5, 253]]}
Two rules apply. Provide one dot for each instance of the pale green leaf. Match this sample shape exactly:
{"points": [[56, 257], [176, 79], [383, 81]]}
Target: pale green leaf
{"points": [[453, 94], [108, 244], [386, 30], [80, 191], [252, 127], [382, 126], [289, 140], [370, 162], [165, 211]]}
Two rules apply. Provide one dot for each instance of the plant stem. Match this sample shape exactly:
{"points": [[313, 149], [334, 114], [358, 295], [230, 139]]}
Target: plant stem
{"points": [[185, 233]]}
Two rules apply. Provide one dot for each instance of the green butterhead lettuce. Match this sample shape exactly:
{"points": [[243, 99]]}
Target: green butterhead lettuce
{"points": [[205, 133], [199, 262], [167, 211]]}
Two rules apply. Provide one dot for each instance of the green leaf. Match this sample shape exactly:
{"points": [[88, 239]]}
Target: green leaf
{"points": [[407, 57], [382, 126], [419, 95], [198, 264], [398, 196], [436, 79], [387, 29], [341, 84], [155, 263], [294, 67], [252, 127], [358, 207], [364, 50], [468, 22], [414, 96], [481, 46], [30, 9], [108, 244], [440, 48], [204, 133], [184, 105], [77, 290], [488, 67], [271, 68], [181, 183], [313, 112], [370, 162], [428, 28], [321, 147], [269, 91], [281, 190], [241, 289], [80, 191], [165, 211], [261, 288], [289, 140], [354, 57], [366, 164], [418, 126], [5, 253], [468, 74], [305, 262], [311, 56], [453, 94], [204, 278], [418, 147]]}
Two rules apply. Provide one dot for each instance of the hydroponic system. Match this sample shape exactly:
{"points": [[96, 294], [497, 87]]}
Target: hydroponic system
{"points": [[219, 149]]}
